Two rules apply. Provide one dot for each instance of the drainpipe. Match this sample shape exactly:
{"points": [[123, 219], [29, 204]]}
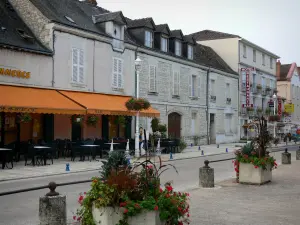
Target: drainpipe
{"points": [[53, 49], [94, 68], [207, 106]]}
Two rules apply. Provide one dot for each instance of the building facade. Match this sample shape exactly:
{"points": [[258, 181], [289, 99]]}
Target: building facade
{"points": [[256, 68], [288, 86]]}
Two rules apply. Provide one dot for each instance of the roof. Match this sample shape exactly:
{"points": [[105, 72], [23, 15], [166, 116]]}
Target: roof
{"points": [[144, 22], [211, 35], [177, 34], [162, 27], [287, 71], [111, 16], [15, 34]]}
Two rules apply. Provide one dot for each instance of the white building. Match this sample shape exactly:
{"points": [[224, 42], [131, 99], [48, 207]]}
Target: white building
{"points": [[240, 54]]}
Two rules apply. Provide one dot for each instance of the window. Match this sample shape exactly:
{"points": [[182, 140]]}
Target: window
{"points": [[212, 88], [227, 91], [263, 59], [254, 55], [164, 44], [244, 51], [117, 37], [228, 118], [271, 63], [78, 66], [176, 83], [243, 79], [117, 77], [148, 39], [190, 52], [263, 84], [193, 123], [152, 79], [178, 48]]}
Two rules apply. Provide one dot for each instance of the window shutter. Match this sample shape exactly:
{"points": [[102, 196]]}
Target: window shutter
{"points": [[190, 85], [178, 83], [120, 73], [152, 79], [75, 65], [199, 85], [115, 73], [81, 66], [203, 84]]}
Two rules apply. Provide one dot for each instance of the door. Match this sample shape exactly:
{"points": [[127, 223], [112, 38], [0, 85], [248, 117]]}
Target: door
{"points": [[76, 131], [105, 127], [48, 127], [212, 129], [174, 125]]}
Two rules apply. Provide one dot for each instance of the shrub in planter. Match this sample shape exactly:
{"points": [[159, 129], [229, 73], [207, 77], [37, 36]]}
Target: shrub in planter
{"points": [[92, 120], [250, 109], [253, 164], [268, 111], [133, 196]]}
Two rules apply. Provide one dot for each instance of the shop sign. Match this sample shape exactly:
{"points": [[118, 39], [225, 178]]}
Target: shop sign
{"points": [[279, 107], [16, 109], [247, 70], [14, 73], [289, 108]]}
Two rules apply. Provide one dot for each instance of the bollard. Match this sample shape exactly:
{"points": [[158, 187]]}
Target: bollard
{"points": [[199, 148], [191, 144], [206, 176], [53, 208], [218, 145], [227, 150], [171, 155], [298, 154], [202, 152], [68, 167], [286, 157]]}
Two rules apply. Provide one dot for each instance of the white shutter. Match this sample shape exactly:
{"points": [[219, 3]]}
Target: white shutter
{"points": [[199, 85], [178, 83], [175, 83], [190, 85], [81, 66], [120, 73], [75, 65], [115, 73], [152, 78], [203, 84], [193, 126]]}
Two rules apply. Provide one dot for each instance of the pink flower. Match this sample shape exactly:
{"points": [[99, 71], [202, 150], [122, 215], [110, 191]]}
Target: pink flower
{"points": [[125, 211], [74, 217], [169, 188], [255, 167], [156, 208], [149, 166]]}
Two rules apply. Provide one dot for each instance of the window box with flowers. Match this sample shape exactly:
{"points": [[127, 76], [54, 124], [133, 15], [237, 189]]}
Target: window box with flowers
{"points": [[253, 165], [125, 195]]}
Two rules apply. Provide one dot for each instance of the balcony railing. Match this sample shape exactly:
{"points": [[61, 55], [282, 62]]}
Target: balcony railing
{"points": [[213, 98], [228, 101]]}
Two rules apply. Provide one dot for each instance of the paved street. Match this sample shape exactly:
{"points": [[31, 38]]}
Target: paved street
{"points": [[22, 209]]}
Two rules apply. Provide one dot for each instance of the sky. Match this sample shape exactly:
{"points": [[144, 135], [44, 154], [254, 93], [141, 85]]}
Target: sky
{"points": [[271, 24]]}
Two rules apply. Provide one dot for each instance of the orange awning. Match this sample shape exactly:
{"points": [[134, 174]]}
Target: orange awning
{"points": [[106, 104], [36, 100]]}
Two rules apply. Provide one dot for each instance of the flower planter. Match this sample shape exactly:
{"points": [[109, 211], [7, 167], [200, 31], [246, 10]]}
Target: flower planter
{"points": [[248, 174], [111, 216]]}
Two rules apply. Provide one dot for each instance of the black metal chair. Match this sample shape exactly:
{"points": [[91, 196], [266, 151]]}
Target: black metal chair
{"points": [[10, 155]]}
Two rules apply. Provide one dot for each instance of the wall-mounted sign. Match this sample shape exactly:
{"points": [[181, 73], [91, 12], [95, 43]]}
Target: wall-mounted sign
{"points": [[289, 108], [247, 70], [14, 73]]}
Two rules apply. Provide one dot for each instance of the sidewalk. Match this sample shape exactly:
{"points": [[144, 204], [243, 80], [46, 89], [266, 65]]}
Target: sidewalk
{"points": [[58, 168], [229, 203]]}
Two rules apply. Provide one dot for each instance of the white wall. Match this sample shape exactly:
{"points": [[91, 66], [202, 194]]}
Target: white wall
{"points": [[39, 66]]}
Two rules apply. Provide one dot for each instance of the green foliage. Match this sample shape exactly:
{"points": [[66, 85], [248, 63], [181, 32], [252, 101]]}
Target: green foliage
{"points": [[92, 120], [25, 118], [120, 120], [257, 161], [248, 148], [115, 160], [162, 128], [182, 144], [154, 124]]}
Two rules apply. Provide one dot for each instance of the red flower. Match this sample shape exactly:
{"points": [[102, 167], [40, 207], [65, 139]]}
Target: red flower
{"points": [[160, 190], [156, 208], [95, 181], [179, 193], [255, 167], [236, 170], [169, 188], [74, 217], [253, 153], [78, 219], [188, 215], [80, 198], [149, 166], [180, 223], [84, 193], [167, 195], [125, 211], [179, 209], [275, 163], [137, 206], [123, 204], [246, 156]]}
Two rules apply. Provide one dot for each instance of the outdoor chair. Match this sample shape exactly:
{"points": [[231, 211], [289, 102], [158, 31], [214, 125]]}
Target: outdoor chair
{"points": [[35, 156], [10, 154]]}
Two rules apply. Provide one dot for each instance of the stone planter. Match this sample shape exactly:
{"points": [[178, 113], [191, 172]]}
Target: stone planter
{"points": [[111, 216], [248, 174]]}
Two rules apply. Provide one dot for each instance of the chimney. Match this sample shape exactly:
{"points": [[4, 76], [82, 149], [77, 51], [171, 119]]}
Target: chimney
{"points": [[278, 65], [93, 2]]}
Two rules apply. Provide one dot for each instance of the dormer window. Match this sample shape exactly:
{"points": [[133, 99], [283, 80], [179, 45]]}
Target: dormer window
{"points": [[164, 44], [178, 47], [190, 52], [148, 39]]}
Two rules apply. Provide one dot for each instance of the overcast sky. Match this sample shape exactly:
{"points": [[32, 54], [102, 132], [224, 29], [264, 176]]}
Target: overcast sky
{"points": [[271, 24]]}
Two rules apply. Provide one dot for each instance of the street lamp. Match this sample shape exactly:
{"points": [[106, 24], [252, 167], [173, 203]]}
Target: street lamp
{"points": [[274, 100], [138, 66]]}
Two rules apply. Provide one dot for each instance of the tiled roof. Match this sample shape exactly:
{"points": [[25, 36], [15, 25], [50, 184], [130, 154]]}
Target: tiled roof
{"points": [[284, 70], [111, 16], [211, 35], [162, 27], [176, 34], [15, 34], [144, 22]]}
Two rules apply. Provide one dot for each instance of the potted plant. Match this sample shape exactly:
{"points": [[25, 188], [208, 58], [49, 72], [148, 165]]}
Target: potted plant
{"points": [[132, 195], [253, 163], [137, 104], [268, 111], [258, 87], [24, 118], [92, 120]]}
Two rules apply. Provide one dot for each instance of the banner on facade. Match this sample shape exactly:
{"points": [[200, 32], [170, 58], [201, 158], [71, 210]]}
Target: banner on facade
{"points": [[247, 70]]}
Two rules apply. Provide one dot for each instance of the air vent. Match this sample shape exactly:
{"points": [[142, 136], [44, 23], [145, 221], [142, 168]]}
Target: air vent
{"points": [[70, 19], [24, 35]]}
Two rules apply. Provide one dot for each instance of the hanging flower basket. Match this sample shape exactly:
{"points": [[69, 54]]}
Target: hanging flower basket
{"points": [[92, 120], [77, 119], [25, 118], [137, 104], [120, 120], [259, 87]]}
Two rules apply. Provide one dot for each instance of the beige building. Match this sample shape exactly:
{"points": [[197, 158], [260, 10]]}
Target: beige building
{"points": [[288, 86]]}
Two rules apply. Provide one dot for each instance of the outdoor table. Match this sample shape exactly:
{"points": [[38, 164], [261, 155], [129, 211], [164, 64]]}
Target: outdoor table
{"points": [[91, 147], [3, 152], [44, 148]]}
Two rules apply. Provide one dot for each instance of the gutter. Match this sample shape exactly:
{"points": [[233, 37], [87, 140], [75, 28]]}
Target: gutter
{"points": [[26, 49]]}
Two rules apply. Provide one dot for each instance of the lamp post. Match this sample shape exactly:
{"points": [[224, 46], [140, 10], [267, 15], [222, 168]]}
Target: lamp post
{"points": [[138, 66], [274, 99]]}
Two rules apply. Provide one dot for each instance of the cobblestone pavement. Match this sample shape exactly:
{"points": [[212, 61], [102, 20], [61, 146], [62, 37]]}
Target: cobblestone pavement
{"points": [[276, 203]]}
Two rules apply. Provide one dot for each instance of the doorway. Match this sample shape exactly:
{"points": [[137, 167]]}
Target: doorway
{"points": [[174, 125], [105, 127], [212, 129], [76, 131]]}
